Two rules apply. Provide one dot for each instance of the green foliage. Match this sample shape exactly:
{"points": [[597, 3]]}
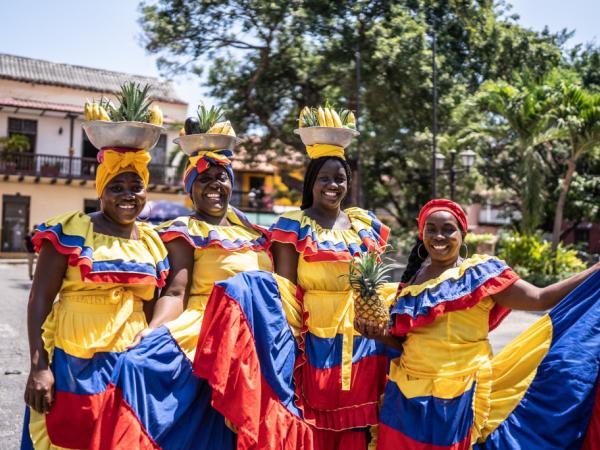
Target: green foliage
{"points": [[134, 103], [533, 259], [368, 273], [207, 117], [266, 60], [476, 242], [16, 143]]}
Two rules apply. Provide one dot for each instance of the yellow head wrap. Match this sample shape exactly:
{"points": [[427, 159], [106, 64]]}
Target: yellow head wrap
{"points": [[319, 150], [117, 161]]}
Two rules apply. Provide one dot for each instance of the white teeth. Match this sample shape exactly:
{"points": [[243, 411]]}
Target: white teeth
{"points": [[331, 194], [213, 195], [439, 247], [127, 206]]}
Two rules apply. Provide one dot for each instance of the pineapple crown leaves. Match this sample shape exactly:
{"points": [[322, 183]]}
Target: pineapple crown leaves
{"points": [[134, 103], [368, 272], [207, 117]]}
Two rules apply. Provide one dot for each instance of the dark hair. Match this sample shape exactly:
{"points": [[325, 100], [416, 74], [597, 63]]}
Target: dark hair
{"points": [[418, 254], [310, 176]]}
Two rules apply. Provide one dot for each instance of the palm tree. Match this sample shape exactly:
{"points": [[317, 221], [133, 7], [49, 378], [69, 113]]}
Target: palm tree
{"points": [[577, 114], [522, 108]]}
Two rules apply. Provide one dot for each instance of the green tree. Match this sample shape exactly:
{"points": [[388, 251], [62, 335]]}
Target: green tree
{"points": [[266, 60], [517, 116], [578, 114]]}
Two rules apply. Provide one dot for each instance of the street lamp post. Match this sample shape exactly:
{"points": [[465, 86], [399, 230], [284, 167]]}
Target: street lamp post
{"points": [[467, 160], [434, 95]]}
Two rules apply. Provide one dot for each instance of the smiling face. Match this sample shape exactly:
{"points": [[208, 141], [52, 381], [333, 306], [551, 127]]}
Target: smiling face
{"points": [[331, 185], [123, 198], [442, 237], [211, 192]]}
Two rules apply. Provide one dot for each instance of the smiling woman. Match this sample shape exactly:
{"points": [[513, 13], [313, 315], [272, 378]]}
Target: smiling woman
{"points": [[447, 390], [102, 267], [342, 374]]}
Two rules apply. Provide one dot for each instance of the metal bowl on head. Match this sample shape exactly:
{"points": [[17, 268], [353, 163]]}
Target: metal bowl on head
{"points": [[341, 137], [104, 134], [191, 143]]}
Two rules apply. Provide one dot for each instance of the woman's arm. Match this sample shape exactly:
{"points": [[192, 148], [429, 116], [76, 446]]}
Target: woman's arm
{"points": [[172, 300], [48, 277], [378, 332], [285, 258], [526, 296]]}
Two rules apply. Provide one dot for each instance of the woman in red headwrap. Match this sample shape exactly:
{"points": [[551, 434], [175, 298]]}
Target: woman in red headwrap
{"points": [[446, 390]]}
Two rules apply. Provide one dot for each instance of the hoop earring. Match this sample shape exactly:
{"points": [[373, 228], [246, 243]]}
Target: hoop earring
{"points": [[419, 252], [466, 251]]}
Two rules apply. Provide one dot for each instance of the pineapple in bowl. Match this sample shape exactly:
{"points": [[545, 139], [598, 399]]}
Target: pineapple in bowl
{"points": [[368, 274], [208, 131], [134, 123]]}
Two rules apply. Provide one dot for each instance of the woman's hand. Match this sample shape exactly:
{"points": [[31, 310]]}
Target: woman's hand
{"points": [[371, 329], [138, 337], [39, 390]]}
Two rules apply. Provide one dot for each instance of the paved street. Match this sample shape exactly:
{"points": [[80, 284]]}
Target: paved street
{"points": [[14, 287]]}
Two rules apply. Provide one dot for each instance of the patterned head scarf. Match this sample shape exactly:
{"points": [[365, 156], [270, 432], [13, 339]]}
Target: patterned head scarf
{"points": [[202, 161], [115, 161], [441, 204]]}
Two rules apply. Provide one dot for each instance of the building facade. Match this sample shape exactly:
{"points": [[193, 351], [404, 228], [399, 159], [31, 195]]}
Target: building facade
{"points": [[41, 102]]}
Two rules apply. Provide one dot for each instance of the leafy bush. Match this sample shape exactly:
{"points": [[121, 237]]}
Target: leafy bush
{"points": [[532, 258], [480, 243]]}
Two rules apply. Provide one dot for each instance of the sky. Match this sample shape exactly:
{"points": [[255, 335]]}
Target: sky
{"points": [[107, 35]]}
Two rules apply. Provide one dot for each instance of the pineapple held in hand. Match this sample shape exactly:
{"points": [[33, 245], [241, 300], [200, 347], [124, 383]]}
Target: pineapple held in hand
{"points": [[367, 274]]}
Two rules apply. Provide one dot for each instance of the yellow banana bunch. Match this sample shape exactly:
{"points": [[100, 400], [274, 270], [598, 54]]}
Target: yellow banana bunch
{"points": [[87, 111], [222, 128], [93, 111], [351, 121], [321, 117], [303, 115], [326, 117], [337, 122], [156, 115]]}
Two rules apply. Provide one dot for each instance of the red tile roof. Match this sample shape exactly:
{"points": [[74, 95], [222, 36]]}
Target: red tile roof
{"points": [[43, 106], [38, 71], [50, 106]]}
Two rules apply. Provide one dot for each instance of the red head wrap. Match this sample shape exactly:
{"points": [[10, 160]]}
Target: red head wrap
{"points": [[441, 204]]}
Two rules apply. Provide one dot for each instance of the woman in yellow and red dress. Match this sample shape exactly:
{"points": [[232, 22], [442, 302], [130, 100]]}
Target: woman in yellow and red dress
{"points": [[155, 400], [447, 390], [342, 374], [102, 267]]}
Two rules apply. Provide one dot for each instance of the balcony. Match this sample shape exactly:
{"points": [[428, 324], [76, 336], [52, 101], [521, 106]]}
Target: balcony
{"points": [[73, 168], [163, 178]]}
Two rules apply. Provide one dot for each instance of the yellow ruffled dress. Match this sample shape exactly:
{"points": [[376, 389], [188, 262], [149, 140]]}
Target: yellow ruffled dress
{"points": [[343, 374], [96, 316], [448, 391], [156, 400]]}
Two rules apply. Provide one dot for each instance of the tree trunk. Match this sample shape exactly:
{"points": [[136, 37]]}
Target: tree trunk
{"points": [[562, 200]]}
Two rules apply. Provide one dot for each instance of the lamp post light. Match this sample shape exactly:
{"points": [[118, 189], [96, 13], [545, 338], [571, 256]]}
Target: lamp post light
{"points": [[467, 160]]}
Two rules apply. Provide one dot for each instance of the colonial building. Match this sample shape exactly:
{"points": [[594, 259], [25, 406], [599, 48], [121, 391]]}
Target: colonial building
{"points": [[41, 103]]}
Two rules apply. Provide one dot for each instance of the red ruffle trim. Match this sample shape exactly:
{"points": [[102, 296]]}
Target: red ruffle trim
{"points": [[309, 249], [227, 359], [169, 236], [118, 426], [403, 323], [85, 264], [341, 419], [392, 439]]}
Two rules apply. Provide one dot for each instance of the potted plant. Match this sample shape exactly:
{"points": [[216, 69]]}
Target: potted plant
{"points": [[10, 147], [50, 169]]}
